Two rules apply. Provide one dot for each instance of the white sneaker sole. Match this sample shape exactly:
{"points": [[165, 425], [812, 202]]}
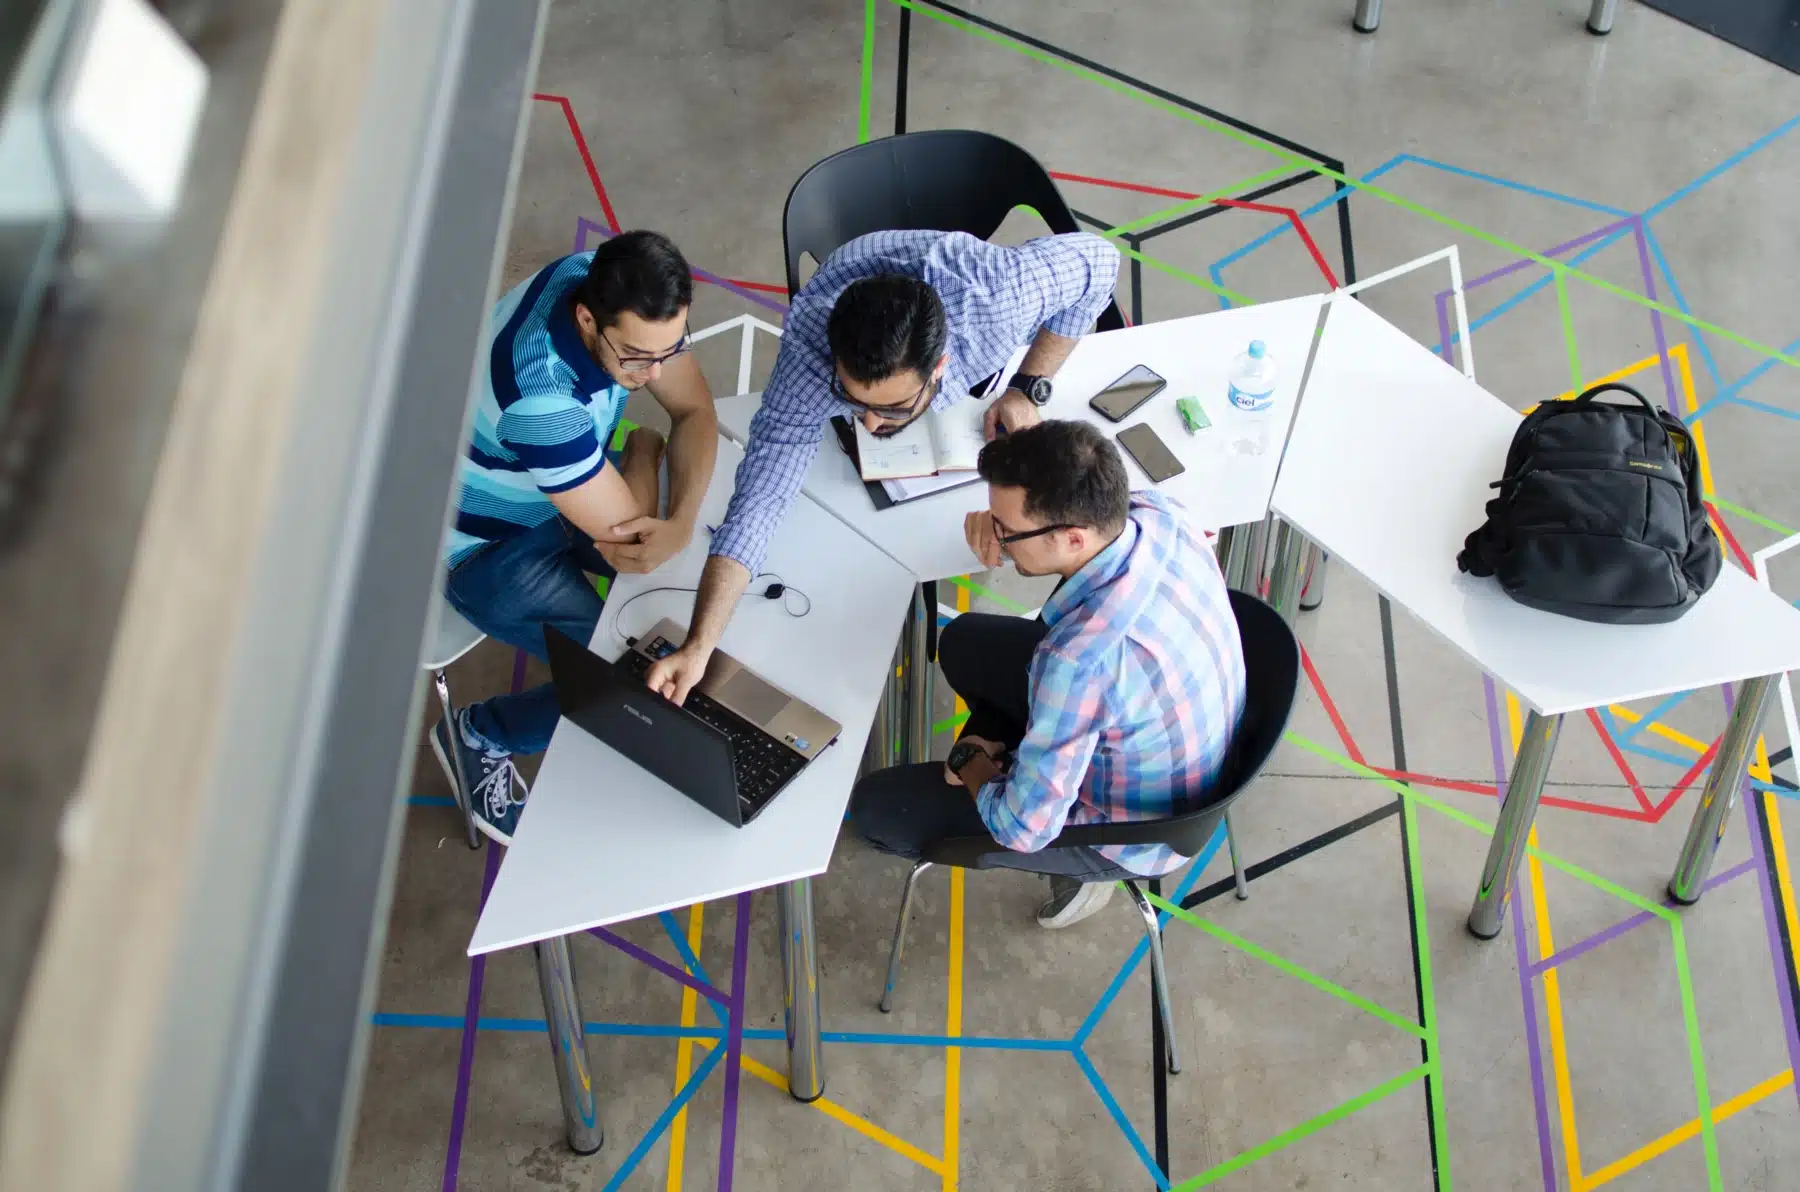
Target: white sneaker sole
{"points": [[1089, 902], [486, 829]]}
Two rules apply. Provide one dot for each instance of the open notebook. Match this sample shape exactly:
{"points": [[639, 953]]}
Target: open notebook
{"points": [[937, 452], [942, 441]]}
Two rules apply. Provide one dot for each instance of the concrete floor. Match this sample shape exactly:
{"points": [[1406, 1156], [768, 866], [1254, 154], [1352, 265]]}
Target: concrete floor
{"points": [[1485, 122]]}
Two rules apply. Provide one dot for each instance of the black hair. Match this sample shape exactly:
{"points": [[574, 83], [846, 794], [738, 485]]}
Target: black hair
{"points": [[1071, 474], [886, 325], [641, 272]]}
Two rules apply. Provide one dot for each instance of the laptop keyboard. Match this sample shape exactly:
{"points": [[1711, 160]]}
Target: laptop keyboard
{"points": [[761, 764]]}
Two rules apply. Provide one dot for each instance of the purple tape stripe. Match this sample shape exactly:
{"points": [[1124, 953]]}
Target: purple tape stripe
{"points": [[734, 1045], [1624, 925], [659, 964], [584, 227], [1783, 990], [1656, 324], [465, 1062]]}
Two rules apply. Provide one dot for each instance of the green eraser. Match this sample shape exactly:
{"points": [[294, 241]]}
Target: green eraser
{"points": [[1192, 416]]}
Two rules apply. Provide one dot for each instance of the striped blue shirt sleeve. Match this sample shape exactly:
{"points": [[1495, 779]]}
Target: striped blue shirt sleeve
{"points": [[1026, 807], [550, 430], [784, 437], [1075, 274]]}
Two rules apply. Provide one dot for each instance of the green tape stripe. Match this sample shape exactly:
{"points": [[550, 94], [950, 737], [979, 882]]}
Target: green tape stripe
{"points": [[1469, 821], [1205, 200], [1690, 1018], [1368, 188], [1192, 279], [950, 723], [1568, 328], [1440, 1130], [1766, 523], [867, 90], [1289, 967], [1313, 1126], [974, 589]]}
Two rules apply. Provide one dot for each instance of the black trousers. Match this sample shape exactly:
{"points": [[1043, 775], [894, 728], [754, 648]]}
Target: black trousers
{"points": [[900, 810]]}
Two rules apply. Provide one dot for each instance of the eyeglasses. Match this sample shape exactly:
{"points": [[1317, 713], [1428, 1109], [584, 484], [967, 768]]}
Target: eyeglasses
{"points": [[638, 364], [904, 414], [1005, 539]]}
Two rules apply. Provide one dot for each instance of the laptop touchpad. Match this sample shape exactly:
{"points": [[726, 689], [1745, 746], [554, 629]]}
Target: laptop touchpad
{"points": [[751, 698]]}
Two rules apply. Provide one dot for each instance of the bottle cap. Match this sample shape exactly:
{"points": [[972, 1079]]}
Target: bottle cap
{"points": [[1257, 349]]}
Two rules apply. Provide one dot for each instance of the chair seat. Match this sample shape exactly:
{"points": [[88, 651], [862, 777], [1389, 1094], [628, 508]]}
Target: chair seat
{"points": [[455, 637]]}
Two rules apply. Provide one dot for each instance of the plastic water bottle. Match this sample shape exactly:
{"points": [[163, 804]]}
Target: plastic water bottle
{"points": [[1252, 396]]}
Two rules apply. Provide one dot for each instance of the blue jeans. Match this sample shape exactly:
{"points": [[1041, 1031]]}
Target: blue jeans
{"points": [[510, 590]]}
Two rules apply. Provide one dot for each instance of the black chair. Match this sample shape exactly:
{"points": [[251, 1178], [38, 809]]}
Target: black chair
{"points": [[953, 180], [1272, 658]]}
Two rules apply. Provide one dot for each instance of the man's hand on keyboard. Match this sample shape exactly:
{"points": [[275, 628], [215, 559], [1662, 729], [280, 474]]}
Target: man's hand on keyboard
{"points": [[672, 677]]}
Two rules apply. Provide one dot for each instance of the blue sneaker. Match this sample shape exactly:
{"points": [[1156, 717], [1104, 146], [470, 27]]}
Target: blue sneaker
{"points": [[497, 790]]}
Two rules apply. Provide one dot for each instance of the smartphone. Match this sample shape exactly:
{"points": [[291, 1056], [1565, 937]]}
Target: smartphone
{"points": [[1150, 452], [1128, 393]]}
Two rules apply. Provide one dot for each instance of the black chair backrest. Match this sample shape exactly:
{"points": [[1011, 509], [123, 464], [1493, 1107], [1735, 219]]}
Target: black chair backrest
{"points": [[1272, 674], [952, 180]]}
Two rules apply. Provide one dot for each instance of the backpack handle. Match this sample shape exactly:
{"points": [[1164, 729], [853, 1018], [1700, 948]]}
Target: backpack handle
{"points": [[1589, 395]]}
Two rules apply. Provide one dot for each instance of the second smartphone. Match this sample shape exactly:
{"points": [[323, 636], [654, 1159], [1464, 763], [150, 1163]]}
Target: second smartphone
{"points": [[1116, 402]]}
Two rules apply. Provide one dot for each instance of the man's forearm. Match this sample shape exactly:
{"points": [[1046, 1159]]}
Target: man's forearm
{"points": [[1047, 352], [721, 584], [693, 444]]}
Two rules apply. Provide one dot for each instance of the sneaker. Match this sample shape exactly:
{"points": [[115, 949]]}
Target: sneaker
{"points": [[1071, 901], [497, 790]]}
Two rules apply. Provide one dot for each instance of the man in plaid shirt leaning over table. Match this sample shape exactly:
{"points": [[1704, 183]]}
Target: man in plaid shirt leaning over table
{"points": [[893, 325]]}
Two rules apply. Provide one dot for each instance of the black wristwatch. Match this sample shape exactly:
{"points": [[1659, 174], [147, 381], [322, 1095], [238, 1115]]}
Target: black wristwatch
{"points": [[1036, 388], [961, 754]]}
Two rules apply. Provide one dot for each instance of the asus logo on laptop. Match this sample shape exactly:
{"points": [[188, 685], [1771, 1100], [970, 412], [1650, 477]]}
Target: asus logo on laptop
{"points": [[634, 712]]}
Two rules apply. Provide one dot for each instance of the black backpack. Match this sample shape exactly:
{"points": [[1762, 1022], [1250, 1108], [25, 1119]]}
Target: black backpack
{"points": [[1599, 514]]}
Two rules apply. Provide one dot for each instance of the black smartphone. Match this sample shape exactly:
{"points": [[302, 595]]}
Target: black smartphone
{"points": [[1128, 393], [1150, 452]]}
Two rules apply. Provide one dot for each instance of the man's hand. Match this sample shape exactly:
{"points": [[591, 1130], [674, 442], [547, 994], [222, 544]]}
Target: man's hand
{"points": [[674, 676], [978, 530], [977, 768], [656, 541], [1014, 411]]}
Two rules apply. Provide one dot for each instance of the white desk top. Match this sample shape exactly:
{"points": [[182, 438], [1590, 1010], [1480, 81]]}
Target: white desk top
{"points": [[1388, 470], [601, 840], [1194, 354]]}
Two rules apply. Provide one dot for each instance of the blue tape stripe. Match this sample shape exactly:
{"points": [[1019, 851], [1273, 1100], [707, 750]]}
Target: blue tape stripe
{"points": [[1624, 733], [1756, 146], [673, 929], [659, 1030], [713, 1056], [1526, 188], [1142, 947], [1118, 1115], [1658, 755], [1765, 408], [1306, 213]]}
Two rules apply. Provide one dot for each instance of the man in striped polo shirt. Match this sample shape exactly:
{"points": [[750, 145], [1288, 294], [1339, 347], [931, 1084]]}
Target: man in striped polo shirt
{"points": [[542, 502]]}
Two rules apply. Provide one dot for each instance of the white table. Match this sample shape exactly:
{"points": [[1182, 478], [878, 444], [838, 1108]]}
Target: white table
{"points": [[1193, 354], [601, 840], [1219, 488], [1388, 468]]}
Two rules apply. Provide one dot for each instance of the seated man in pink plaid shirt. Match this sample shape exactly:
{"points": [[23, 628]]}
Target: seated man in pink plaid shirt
{"points": [[1118, 704]]}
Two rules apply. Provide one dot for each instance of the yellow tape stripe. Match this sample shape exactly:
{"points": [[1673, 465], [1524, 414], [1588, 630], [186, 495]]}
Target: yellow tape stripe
{"points": [[1681, 1134], [1759, 769], [953, 1028], [1784, 881], [833, 1110], [684, 1054], [1553, 1013]]}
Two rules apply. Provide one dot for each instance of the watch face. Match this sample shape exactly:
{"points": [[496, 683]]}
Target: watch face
{"points": [[1039, 391]]}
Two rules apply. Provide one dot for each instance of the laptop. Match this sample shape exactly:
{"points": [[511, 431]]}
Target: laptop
{"points": [[736, 743]]}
